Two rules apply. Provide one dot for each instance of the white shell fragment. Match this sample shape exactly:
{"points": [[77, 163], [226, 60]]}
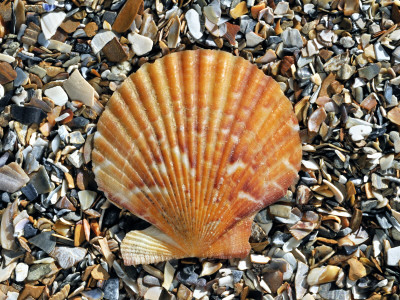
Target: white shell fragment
{"points": [[50, 22], [393, 256], [140, 44], [21, 272], [57, 94], [79, 89], [193, 22], [86, 198]]}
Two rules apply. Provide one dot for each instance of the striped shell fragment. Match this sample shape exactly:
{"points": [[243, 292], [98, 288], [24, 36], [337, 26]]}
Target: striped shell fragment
{"points": [[196, 144]]}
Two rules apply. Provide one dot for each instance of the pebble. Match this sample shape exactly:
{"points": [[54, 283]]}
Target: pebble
{"points": [[68, 257], [12, 177], [29, 230], [357, 269], [6, 58], [41, 181], [115, 52], [369, 71], [79, 89], [59, 46], [153, 293], [193, 20], [253, 39], [86, 198], [394, 115], [111, 289], [292, 38], [101, 39], [50, 22], [45, 241], [151, 280], [57, 94], [30, 192], [21, 272], [6, 271], [91, 29], [393, 257], [22, 77], [95, 294], [323, 275], [380, 53], [7, 73], [281, 8], [38, 271], [39, 71], [347, 42], [141, 45], [346, 71]]}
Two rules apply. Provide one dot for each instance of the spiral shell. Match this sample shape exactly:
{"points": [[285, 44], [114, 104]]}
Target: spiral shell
{"points": [[195, 143]]}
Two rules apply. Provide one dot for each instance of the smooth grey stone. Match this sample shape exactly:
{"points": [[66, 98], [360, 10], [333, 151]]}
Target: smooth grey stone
{"points": [[38, 271]]}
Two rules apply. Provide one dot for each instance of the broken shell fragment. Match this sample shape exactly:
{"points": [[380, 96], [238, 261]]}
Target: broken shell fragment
{"points": [[195, 143]]}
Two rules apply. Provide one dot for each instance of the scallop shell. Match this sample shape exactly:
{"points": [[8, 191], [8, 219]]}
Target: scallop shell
{"points": [[195, 143]]}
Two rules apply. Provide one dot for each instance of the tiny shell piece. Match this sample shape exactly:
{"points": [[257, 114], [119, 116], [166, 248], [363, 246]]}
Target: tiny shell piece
{"points": [[195, 143]]}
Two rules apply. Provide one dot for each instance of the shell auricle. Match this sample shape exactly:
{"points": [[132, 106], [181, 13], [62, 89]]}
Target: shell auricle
{"points": [[196, 144]]}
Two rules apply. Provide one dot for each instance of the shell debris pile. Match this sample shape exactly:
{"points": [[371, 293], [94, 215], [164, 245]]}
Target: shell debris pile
{"points": [[335, 234]]}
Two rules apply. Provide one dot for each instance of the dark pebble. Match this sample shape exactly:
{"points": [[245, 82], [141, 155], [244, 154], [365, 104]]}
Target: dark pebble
{"points": [[111, 216], [30, 192], [83, 48], [109, 16], [326, 233], [41, 181], [5, 100], [111, 289], [29, 230], [78, 122], [307, 90], [349, 249], [377, 132], [27, 114], [33, 59], [187, 275], [45, 241], [117, 5]]}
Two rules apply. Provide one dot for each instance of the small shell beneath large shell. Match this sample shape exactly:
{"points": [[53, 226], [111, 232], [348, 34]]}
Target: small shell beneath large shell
{"points": [[195, 143]]}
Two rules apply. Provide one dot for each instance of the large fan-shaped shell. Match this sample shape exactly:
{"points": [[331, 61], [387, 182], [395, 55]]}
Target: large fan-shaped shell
{"points": [[195, 143]]}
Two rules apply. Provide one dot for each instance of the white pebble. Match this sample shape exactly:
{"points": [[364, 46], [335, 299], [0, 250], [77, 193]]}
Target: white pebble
{"points": [[21, 272], [140, 44], [57, 94]]}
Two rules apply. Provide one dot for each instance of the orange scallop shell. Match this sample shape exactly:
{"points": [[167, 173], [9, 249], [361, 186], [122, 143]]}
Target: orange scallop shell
{"points": [[195, 143]]}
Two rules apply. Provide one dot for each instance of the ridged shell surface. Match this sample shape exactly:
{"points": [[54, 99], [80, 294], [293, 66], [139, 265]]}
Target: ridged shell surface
{"points": [[195, 143]]}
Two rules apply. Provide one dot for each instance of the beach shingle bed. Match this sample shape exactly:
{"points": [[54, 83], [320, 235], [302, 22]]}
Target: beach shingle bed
{"points": [[336, 233]]}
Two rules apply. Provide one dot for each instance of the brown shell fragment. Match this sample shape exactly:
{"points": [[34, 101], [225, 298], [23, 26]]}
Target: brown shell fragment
{"points": [[195, 143]]}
